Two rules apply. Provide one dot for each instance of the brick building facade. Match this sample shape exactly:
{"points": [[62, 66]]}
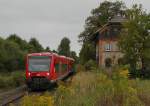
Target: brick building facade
{"points": [[106, 38]]}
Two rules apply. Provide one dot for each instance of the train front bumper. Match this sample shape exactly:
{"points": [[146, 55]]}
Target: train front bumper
{"points": [[38, 83]]}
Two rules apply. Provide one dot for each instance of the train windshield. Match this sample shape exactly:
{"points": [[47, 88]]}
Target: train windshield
{"points": [[39, 63]]}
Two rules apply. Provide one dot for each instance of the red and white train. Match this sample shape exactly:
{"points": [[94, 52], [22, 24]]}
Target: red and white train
{"points": [[42, 69]]}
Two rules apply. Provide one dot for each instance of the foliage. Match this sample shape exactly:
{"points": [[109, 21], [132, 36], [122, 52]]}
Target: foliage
{"points": [[74, 56], [34, 44], [23, 45], [87, 52], [99, 17], [18, 77], [96, 89], [88, 89], [54, 51], [13, 50], [64, 47], [90, 64], [14, 79], [47, 49], [10, 56], [135, 38], [34, 100], [79, 68]]}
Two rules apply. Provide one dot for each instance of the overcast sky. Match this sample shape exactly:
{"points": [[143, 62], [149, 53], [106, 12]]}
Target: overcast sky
{"points": [[49, 20]]}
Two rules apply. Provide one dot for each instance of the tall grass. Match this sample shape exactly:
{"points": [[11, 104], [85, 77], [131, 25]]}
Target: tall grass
{"points": [[88, 88], [99, 89], [35, 100]]}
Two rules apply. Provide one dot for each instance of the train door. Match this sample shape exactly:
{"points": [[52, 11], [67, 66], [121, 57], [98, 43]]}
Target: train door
{"points": [[57, 67], [63, 66], [71, 67]]}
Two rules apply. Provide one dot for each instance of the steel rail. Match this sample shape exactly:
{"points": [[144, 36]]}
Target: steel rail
{"points": [[8, 97]]}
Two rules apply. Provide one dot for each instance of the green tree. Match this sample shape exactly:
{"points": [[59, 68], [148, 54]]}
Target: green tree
{"points": [[87, 53], [23, 45], [11, 56], [64, 47], [2, 67], [74, 56], [35, 46], [13, 50], [99, 17], [47, 49], [135, 38], [54, 51]]}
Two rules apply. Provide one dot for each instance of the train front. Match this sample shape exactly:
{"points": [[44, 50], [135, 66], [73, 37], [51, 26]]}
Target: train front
{"points": [[38, 67]]}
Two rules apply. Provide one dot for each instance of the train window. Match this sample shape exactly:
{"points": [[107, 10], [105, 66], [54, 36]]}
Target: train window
{"points": [[39, 63], [64, 67], [57, 68]]}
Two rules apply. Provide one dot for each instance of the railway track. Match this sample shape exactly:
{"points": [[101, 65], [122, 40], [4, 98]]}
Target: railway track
{"points": [[11, 96], [15, 95]]}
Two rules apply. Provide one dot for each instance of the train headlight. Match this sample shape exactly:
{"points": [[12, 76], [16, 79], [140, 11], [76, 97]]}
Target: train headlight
{"points": [[29, 74], [47, 74]]}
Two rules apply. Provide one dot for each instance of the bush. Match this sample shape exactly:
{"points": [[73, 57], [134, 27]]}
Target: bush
{"points": [[19, 78], [13, 79], [90, 64], [89, 88], [2, 82], [80, 68], [35, 100]]}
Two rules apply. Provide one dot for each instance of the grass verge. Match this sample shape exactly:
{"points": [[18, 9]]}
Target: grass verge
{"points": [[96, 89]]}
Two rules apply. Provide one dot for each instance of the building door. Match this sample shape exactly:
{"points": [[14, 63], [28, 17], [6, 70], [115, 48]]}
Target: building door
{"points": [[108, 62]]}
